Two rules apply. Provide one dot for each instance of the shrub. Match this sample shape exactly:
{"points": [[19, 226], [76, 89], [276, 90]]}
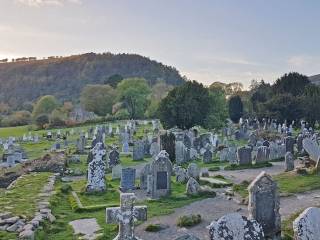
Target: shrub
{"points": [[42, 120], [189, 220], [153, 228], [66, 188]]}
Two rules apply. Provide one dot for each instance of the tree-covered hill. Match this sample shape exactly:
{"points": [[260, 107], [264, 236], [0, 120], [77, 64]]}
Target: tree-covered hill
{"points": [[64, 77]]}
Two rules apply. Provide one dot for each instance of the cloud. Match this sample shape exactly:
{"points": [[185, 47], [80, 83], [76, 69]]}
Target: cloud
{"points": [[40, 3]]}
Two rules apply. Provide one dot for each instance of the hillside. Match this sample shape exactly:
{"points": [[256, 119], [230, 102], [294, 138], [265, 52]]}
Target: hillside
{"points": [[315, 79], [65, 77]]}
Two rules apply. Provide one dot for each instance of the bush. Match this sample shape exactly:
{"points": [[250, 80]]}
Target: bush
{"points": [[42, 120], [18, 118], [213, 169], [153, 228], [189, 220], [66, 188], [122, 114]]}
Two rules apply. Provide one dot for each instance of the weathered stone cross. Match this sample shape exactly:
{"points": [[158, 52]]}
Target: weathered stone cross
{"points": [[125, 215]]}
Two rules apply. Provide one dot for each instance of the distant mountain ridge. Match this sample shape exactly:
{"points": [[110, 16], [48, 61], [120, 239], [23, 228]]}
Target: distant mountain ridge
{"points": [[315, 79], [64, 77]]}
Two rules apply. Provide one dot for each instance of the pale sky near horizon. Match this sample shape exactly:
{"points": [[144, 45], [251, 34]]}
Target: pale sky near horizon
{"points": [[206, 40]]}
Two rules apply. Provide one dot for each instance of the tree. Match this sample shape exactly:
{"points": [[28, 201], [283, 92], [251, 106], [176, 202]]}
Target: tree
{"points": [[42, 120], [158, 92], [98, 99], [311, 99], [218, 109], [284, 107], [235, 108], [293, 83], [133, 92], [260, 93], [113, 80], [45, 105], [185, 106]]}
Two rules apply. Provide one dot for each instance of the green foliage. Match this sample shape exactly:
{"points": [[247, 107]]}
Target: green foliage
{"points": [[247, 166], [134, 92], [153, 228], [241, 189], [189, 220], [284, 107], [98, 98], [45, 105], [57, 118], [42, 120], [65, 77], [66, 188], [218, 111], [260, 93], [311, 99], [189, 105], [113, 80], [291, 182], [293, 83], [18, 118], [22, 197], [235, 108]]}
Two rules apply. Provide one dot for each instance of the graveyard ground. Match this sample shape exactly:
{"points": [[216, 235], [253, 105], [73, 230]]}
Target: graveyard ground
{"points": [[71, 202]]}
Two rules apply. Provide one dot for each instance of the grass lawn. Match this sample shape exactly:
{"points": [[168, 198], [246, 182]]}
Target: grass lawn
{"points": [[22, 197], [288, 183], [61, 207], [247, 166]]}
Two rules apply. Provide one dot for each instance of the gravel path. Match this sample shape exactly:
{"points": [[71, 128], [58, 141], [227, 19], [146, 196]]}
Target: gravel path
{"points": [[209, 209], [237, 176], [212, 209]]}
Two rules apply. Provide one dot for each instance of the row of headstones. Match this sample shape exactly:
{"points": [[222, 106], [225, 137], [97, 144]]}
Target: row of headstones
{"points": [[264, 220]]}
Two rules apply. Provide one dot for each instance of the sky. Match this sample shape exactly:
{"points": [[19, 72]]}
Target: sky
{"points": [[206, 40]]}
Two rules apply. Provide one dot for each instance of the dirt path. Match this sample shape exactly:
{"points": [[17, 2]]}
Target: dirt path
{"points": [[212, 209], [237, 176], [209, 209]]}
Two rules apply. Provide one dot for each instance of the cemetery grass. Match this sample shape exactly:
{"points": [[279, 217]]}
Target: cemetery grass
{"points": [[22, 197], [291, 182], [288, 183], [232, 167], [62, 209]]}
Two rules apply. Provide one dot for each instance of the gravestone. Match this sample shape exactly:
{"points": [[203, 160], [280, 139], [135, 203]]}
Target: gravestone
{"points": [[180, 152], [96, 170], [154, 149], [11, 160], [144, 177], [224, 155], [128, 177], [312, 148], [138, 151], [299, 143], [147, 146], [263, 154], [207, 156], [167, 143], [192, 187], [161, 171], [289, 142], [233, 226], [114, 158], [307, 225], [125, 216], [244, 155], [181, 175], [125, 147], [193, 171], [116, 172], [289, 162], [264, 205]]}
